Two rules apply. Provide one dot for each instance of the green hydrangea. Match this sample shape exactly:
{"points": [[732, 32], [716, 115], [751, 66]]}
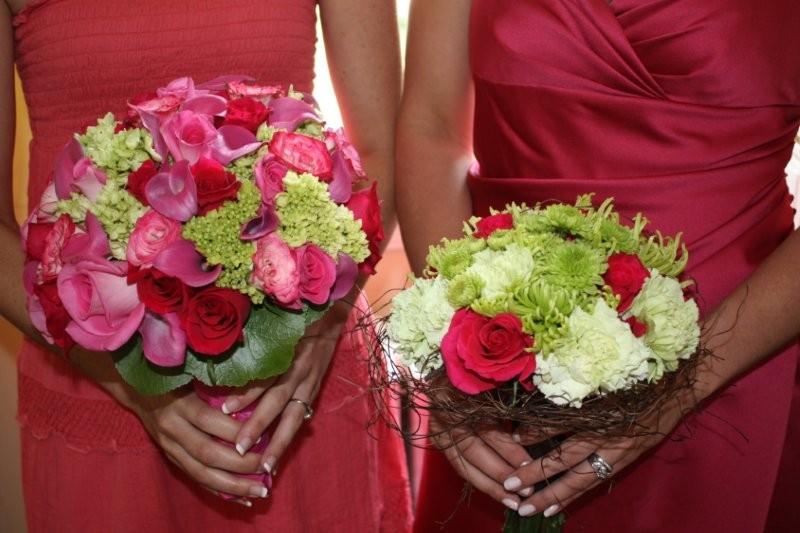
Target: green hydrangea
{"points": [[312, 128], [242, 167], [216, 236], [117, 210], [420, 318], [117, 154], [452, 257], [597, 354], [575, 265], [76, 207], [308, 215], [265, 133], [673, 332]]}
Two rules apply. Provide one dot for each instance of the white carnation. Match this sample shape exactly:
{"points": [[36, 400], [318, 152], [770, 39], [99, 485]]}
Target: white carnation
{"points": [[501, 271], [421, 316], [598, 354], [673, 332]]}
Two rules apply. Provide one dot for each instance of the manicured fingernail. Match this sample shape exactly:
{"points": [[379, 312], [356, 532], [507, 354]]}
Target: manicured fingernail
{"points": [[511, 504], [553, 509], [259, 491], [526, 492], [246, 503], [243, 445], [269, 465], [229, 406], [527, 510], [524, 463], [514, 436], [512, 483]]}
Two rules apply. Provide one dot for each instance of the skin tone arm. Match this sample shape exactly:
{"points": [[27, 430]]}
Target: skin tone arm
{"points": [[180, 423], [757, 319], [365, 67]]}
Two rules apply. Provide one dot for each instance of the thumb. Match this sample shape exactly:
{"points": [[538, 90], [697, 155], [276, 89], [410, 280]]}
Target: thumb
{"points": [[244, 396]]}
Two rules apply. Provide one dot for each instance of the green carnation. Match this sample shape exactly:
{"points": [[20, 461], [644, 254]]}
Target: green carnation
{"points": [[598, 354], [420, 318], [117, 154], [117, 211], [672, 321], [464, 289], [216, 236], [308, 215], [575, 265]]}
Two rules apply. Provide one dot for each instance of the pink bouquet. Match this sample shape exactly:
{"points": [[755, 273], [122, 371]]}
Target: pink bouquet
{"points": [[198, 236]]}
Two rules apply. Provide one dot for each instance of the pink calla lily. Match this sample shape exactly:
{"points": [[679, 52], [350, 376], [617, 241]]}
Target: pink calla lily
{"points": [[346, 276], [265, 223], [173, 193], [233, 142], [76, 173], [207, 104], [182, 260], [289, 113], [221, 83], [93, 244], [341, 185], [163, 339]]}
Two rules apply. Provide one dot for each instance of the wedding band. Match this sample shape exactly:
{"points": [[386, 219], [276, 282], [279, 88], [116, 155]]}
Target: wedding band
{"points": [[309, 411], [600, 466]]}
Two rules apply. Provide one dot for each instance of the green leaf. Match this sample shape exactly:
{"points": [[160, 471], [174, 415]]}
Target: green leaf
{"points": [[143, 375], [533, 524], [270, 337]]}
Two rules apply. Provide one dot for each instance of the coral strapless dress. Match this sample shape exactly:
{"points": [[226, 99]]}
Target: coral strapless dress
{"points": [[88, 464], [687, 111]]}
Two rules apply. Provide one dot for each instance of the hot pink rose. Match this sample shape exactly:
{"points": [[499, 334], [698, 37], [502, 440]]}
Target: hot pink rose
{"points": [[317, 274], [104, 310], [626, 276], [488, 225], [270, 172], [275, 270], [481, 353], [152, 234], [366, 207], [189, 135], [303, 154], [54, 242]]}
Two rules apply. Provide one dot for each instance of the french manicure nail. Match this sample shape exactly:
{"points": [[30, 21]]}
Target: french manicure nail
{"points": [[243, 445], [524, 463], [527, 510], [229, 406], [514, 436], [512, 483], [511, 504], [259, 491], [527, 491], [246, 503], [269, 464], [553, 509]]}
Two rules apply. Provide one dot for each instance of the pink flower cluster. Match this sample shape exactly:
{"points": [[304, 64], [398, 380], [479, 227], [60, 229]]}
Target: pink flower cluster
{"points": [[164, 289]]}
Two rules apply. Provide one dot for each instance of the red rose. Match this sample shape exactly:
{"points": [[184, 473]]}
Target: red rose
{"points": [[214, 185], [490, 224], [639, 329], [625, 275], [317, 274], [37, 240], [246, 112], [481, 353], [139, 178], [367, 208], [160, 293], [56, 316], [303, 154], [214, 320]]}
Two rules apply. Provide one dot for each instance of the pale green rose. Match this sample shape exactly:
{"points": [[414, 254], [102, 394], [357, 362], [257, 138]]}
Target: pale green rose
{"points": [[598, 354], [673, 332], [420, 318]]}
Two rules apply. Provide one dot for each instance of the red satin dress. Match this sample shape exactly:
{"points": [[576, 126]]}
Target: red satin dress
{"points": [[687, 111], [88, 464]]}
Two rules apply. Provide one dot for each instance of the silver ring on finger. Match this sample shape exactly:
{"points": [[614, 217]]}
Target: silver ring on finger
{"points": [[601, 468], [309, 410]]}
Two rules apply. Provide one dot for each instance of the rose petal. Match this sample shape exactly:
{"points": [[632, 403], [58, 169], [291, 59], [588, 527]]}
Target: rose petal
{"points": [[346, 276], [90, 245], [163, 339], [289, 113], [207, 104], [341, 186], [233, 142], [114, 338], [65, 166], [181, 260], [265, 223], [173, 193], [220, 83]]}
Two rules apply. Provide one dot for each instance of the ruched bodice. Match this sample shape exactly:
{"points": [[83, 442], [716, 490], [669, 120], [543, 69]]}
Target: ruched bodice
{"points": [[685, 110]]}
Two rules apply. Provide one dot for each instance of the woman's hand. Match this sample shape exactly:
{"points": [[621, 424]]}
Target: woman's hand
{"points": [[301, 382]]}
